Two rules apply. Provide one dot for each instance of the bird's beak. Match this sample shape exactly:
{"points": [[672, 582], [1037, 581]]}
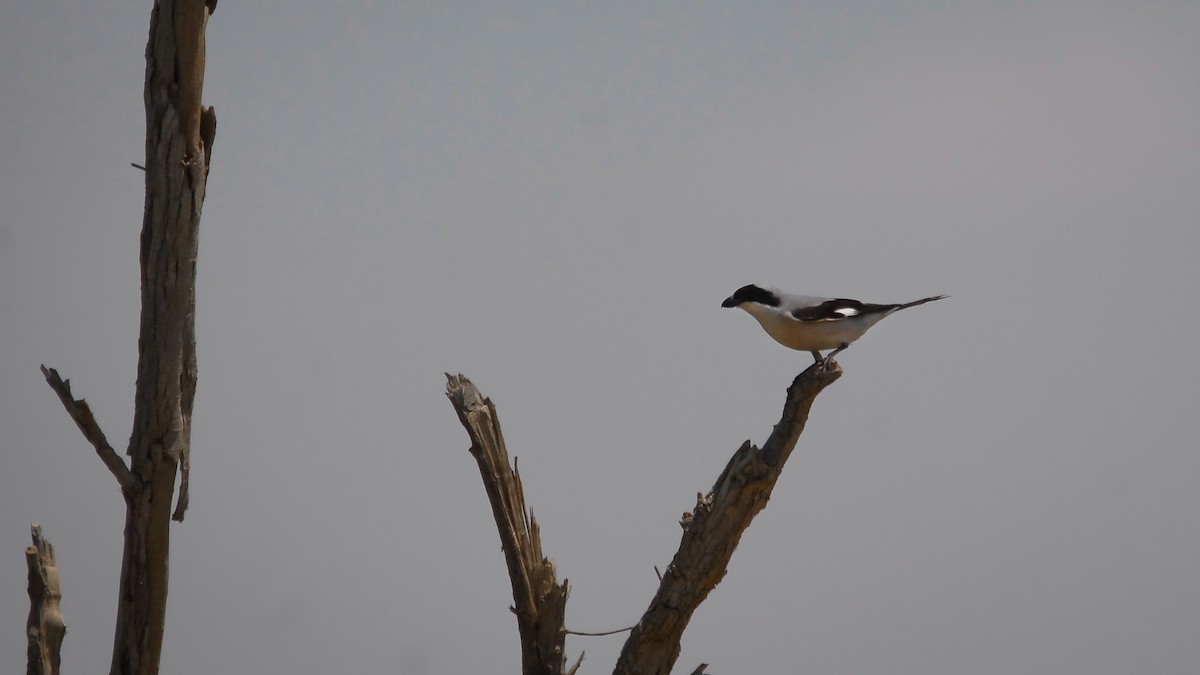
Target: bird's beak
{"points": [[730, 302]]}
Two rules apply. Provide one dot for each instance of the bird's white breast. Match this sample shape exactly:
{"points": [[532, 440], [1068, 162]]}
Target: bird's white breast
{"points": [[810, 335]]}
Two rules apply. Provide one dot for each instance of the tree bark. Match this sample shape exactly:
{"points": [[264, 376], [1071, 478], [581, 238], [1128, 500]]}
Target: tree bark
{"points": [[179, 137], [176, 176], [45, 628], [714, 528], [540, 601]]}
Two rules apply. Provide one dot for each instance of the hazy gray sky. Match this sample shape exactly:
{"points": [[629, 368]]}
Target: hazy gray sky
{"points": [[554, 199]]}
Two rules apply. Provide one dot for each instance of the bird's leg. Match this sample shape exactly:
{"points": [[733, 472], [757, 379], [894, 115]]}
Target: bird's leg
{"points": [[817, 356], [829, 359]]}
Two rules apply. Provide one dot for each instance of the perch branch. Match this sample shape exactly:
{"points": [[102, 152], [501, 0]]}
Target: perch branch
{"points": [[45, 629], [79, 411], [539, 599], [712, 532]]}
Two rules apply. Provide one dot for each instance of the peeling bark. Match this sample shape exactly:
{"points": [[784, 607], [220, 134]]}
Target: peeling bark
{"points": [[45, 629]]}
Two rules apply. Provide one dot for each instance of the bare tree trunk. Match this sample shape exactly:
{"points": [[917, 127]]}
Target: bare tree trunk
{"points": [[179, 138], [711, 534], [45, 628]]}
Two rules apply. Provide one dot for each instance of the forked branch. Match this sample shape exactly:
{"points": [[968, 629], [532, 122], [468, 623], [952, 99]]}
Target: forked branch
{"points": [[711, 534]]}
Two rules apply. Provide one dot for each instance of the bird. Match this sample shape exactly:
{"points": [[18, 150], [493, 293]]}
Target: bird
{"points": [[812, 324]]}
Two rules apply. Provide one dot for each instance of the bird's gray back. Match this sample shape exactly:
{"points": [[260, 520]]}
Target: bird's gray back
{"points": [[789, 301]]}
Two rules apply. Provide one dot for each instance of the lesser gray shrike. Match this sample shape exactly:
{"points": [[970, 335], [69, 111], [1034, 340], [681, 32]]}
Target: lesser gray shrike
{"points": [[806, 323]]}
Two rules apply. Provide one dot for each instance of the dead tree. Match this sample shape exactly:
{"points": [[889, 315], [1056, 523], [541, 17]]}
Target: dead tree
{"points": [[711, 532], [179, 139], [45, 629]]}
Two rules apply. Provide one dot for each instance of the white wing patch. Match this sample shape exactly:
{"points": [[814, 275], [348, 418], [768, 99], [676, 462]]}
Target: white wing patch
{"points": [[846, 311]]}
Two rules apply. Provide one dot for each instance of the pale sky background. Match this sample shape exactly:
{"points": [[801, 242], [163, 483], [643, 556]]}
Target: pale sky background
{"points": [[553, 199]]}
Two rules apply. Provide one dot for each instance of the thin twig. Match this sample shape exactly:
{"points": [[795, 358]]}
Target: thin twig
{"points": [[578, 662], [568, 631]]}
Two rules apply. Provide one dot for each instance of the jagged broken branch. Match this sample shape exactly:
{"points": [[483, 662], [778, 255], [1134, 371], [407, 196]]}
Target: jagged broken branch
{"points": [[79, 411], [540, 601], [44, 629]]}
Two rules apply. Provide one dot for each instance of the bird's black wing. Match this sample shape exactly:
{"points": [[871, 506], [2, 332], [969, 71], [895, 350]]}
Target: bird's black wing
{"points": [[837, 310]]}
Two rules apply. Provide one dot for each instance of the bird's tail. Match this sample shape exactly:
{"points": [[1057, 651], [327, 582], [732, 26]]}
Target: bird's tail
{"points": [[920, 302]]}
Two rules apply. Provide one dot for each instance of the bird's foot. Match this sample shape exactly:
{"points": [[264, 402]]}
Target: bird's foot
{"points": [[828, 363]]}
